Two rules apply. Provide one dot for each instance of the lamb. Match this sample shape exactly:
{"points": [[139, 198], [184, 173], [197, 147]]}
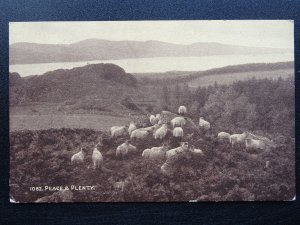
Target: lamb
{"points": [[118, 131], [237, 138], [97, 157], [161, 132], [182, 110], [124, 149], [131, 127], [178, 132], [223, 136], [155, 153], [78, 158], [205, 125], [139, 134], [178, 121], [184, 147]]}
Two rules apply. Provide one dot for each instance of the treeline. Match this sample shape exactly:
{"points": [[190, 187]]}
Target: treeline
{"points": [[262, 105]]}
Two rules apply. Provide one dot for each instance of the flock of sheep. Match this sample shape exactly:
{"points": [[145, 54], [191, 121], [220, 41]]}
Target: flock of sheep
{"points": [[161, 125]]}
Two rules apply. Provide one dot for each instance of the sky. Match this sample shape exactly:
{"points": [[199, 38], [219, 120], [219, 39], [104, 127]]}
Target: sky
{"points": [[256, 33]]}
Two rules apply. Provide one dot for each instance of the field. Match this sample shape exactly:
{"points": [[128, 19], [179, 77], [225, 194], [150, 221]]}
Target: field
{"points": [[42, 122], [232, 77]]}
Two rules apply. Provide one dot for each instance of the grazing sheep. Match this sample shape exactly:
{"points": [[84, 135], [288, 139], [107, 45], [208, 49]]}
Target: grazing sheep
{"points": [[161, 132], [131, 127], [150, 129], [178, 121], [178, 132], [155, 152], [139, 134], [182, 110], [255, 144], [118, 131], [97, 157], [172, 163], [205, 125], [269, 143], [237, 138], [223, 136], [78, 157], [184, 147], [124, 149]]}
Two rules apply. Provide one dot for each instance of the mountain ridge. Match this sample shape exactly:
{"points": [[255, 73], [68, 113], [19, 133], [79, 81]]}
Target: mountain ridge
{"points": [[100, 49]]}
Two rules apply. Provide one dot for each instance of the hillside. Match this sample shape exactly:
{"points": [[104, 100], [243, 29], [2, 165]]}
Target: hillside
{"points": [[108, 89], [99, 86], [186, 76], [222, 174], [97, 49]]}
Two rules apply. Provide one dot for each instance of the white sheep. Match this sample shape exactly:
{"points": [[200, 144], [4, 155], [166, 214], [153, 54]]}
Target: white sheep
{"points": [[178, 122], [155, 152], [161, 132], [118, 131], [223, 136], [78, 157], [113, 128], [205, 125], [131, 127], [184, 147], [97, 158], [124, 149], [182, 110], [237, 138], [150, 129], [255, 144], [139, 134], [178, 132]]}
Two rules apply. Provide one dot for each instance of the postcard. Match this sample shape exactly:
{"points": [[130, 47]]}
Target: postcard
{"points": [[152, 111]]}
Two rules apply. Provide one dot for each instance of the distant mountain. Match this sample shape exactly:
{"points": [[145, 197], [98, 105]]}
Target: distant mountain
{"points": [[96, 86], [98, 49]]}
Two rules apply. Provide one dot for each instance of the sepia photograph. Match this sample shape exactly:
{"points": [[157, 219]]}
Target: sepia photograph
{"points": [[152, 111]]}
